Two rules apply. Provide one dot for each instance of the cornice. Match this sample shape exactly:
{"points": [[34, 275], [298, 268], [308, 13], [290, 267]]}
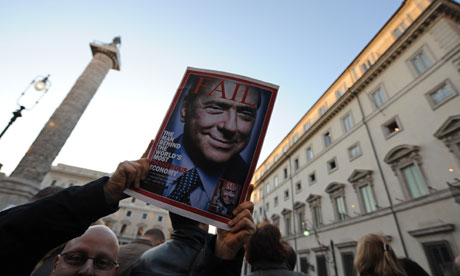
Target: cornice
{"points": [[418, 27]]}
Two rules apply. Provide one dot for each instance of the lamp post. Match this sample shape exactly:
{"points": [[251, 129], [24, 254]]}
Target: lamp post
{"points": [[27, 100]]}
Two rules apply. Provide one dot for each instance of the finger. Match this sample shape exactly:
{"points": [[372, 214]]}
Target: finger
{"points": [[244, 224], [250, 190], [245, 205], [146, 152], [141, 166], [244, 214]]}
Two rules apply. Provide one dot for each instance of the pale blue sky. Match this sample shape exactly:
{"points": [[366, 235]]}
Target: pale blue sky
{"points": [[302, 46]]}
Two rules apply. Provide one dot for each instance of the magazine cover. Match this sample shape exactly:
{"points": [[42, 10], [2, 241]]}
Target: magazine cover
{"points": [[204, 155]]}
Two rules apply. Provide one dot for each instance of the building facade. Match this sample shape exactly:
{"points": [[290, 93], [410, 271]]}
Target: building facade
{"points": [[379, 152], [133, 217]]}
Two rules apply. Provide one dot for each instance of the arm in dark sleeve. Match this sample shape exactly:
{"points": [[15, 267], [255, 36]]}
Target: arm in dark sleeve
{"points": [[209, 264], [28, 231]]}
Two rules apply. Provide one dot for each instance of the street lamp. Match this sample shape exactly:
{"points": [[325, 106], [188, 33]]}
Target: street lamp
{"points": [[29, 100]]}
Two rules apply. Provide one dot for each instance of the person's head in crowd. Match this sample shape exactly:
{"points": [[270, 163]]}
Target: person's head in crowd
{"points": [[217, 121], [456, 266], [47, 191], [93, 253], [228, 193], [291, 257], [156, 236], [375, 256], [180, 222], [266, 246]]}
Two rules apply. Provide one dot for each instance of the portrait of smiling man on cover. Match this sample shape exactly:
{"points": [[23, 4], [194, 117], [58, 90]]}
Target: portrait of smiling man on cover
{"points": [[213, 136]]}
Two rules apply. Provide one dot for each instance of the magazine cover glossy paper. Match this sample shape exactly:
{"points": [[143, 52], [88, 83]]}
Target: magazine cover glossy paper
{"points": [[203, 157]]}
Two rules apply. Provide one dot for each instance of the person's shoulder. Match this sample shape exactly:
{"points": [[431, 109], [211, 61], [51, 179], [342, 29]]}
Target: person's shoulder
{"points": [[412, 268]]}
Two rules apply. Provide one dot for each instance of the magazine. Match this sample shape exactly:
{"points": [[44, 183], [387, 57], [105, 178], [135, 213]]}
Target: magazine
{"points": [[206, 150]]}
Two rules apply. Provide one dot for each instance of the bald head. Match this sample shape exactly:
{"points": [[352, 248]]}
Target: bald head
{"points": [[98, 242]]}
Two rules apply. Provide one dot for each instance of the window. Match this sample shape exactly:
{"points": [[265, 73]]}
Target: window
{"points": [[133, 199], [309, 154], [367, 196], [354, 151], [354, 73], [363, 184], [332, 165], [420, 62], [300, 214], [365, 66], [321, 265], [307, 126], [275, 181], [298, 187], [312, 178], [340, 205], [391, 127], [275, 201], [285, 148], [70, 184], [327, 139], [413, 181], [315, 207], [304, 264], [296, 164], [347, 122], [378, 98], [260, 210], [347, 263], [267, 187], [286, 194], [285, 173], [160, 218], [336, 192], [123, 229], [276, 158], [287, 222], [53, 183], [144, 216], [140, 230], [128, 213], [322, 109], [406, 162], [440, 257], [267, 206], [295, 138], [398, 31], [441, 94], [318, 221], [338, 93]]}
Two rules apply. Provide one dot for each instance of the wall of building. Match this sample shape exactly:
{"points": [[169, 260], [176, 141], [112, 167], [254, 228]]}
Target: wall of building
{"points": [[398, 147]]}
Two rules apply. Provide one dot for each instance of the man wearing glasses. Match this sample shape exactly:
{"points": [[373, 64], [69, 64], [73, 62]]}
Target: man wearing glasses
{"points": [[93, 253]]}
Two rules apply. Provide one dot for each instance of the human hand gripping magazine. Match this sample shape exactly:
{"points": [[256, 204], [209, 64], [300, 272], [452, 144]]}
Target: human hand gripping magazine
{"points": [[204, 155]]}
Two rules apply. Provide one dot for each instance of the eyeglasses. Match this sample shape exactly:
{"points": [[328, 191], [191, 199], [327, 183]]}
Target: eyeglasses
{"points": [[79, 259]]}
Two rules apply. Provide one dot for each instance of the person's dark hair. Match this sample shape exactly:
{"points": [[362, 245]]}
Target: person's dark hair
{"points": [[50, 190], [266, 245], [291, 256], [178, 221], [155, 233], [376, 257]]}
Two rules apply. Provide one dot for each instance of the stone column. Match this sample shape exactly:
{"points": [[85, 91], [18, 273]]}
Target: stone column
{"points": [[25, 180]]}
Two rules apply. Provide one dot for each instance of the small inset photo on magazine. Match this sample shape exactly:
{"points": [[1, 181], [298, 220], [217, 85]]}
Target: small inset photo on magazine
{"points": [[225, 198]]}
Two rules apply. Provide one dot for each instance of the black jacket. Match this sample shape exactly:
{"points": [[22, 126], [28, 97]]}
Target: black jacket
{"points": [[29, 231], [189, 252]]}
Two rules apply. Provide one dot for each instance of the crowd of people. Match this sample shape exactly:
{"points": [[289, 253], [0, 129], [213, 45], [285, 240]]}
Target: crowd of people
{"points": [[58, 227]]}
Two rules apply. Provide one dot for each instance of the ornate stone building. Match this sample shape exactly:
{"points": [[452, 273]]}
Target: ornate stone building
{"points": [[133, 217], [379, 151]]}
